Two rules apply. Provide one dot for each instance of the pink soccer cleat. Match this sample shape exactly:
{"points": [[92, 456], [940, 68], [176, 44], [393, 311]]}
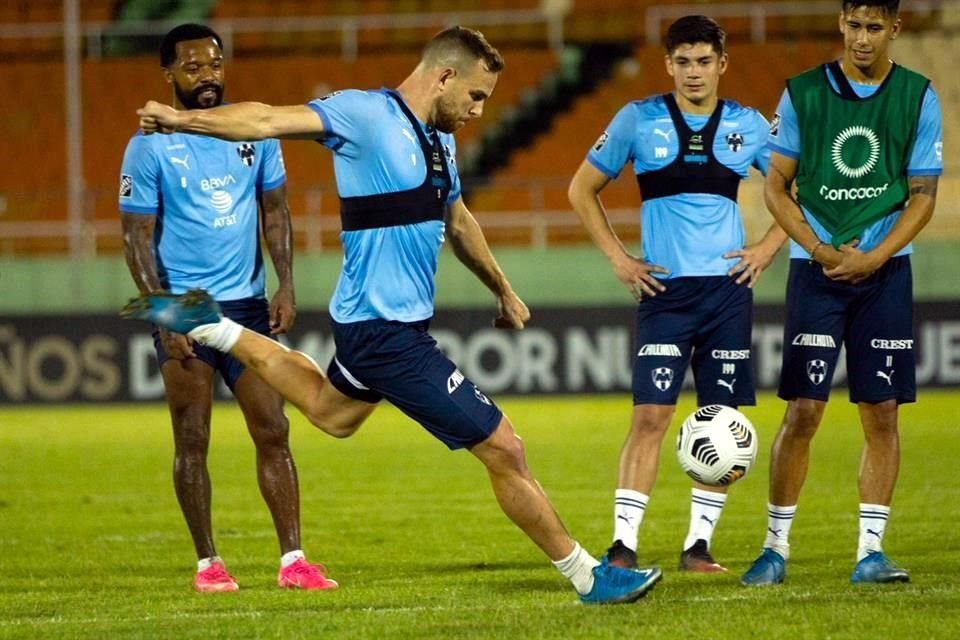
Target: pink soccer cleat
{"points": [[214, 579], [303, 575]]}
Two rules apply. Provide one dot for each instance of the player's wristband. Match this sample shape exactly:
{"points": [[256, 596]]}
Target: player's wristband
{"points": [[813, 252]]}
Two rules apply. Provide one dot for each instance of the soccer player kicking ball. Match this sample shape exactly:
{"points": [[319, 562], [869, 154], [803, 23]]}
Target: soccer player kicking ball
{"points": [[210, 238], [862, 139], [400, 195], [689, 150]]}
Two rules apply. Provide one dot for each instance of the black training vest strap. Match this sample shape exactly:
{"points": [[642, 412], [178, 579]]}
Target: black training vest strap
{"points": [[426, 202], [695, 169]]}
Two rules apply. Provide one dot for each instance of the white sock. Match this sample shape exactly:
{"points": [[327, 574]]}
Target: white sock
{"points": [[204, 563], [705, 510], [219, 335], [628, 509], [873, 524], [290, 557], [578, 568], [779, 521]]}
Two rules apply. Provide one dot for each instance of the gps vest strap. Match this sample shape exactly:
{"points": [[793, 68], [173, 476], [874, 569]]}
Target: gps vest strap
{"points": [[420, 204], [695, 169]]}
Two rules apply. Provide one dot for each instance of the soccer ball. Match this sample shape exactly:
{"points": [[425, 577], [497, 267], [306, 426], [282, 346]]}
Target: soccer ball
{"points": [[716, 445]]}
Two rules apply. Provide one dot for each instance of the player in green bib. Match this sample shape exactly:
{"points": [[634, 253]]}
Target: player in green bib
{"points": [[862, 138]]}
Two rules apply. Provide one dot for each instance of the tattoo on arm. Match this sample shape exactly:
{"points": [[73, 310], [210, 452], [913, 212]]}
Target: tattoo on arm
{"points": [[278, 232]]}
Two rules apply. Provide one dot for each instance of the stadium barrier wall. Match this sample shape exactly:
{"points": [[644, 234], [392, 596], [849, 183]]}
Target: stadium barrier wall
{"points": [[565, 350]]}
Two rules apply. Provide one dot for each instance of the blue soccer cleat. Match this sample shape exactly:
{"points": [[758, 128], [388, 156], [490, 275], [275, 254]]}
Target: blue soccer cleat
{"points": [[178, 313], [615, 585], [876, 567], [769, 568]]}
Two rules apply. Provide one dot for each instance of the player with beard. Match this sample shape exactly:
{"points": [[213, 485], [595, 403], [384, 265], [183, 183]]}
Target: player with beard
{"points": [[189, 207], [400, 195]]}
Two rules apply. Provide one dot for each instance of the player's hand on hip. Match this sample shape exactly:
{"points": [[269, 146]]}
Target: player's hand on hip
{"points": [[753, 260], [158, 118], [854, 266], [637, 275], [177, 345], [283, 312], [512, 312]]}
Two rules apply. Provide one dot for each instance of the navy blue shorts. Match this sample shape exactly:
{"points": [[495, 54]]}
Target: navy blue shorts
{"points": [[400, 361], [709, 317], [873, 319], [252, 313]]}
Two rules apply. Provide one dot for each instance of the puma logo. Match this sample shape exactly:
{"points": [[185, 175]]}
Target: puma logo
{"points": [[664, 134], [728, 385], [624, 517], [886, 376], [776, 532], [184, 161], [710, 522], [871, 531]]}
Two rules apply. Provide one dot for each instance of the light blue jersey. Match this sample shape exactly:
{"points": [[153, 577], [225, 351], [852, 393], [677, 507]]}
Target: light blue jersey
{"points": [[388, 272], [687, 233], [204, 193], [926, 159]]}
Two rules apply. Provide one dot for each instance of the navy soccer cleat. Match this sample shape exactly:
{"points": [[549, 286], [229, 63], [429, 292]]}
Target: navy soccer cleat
{"points": [[620, 555], [769, 568], [697, 559], [178, 313], [876, 567], [615, 585]]}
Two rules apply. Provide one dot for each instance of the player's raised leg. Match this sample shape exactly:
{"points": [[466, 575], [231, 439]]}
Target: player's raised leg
{"points": [[293, 374]]}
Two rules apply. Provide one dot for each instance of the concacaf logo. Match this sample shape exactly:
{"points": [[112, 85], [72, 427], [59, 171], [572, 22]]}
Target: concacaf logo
{"points": [[851, 135]]}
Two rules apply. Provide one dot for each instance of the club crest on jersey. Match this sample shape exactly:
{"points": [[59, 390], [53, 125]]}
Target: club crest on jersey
{"points": [[126, 185], [734, 141], [662, 378], [816, 371], [775, 125], [247, 152], [602, 140]]}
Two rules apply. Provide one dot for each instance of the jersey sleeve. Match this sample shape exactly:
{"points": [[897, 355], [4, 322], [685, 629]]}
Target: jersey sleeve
{"points": [[784, 137], [346, 116], [614, 148], [139, 178], [926, 159], [762, 128], [273, 173]]}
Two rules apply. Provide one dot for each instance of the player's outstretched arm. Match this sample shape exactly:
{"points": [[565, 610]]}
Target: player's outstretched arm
{"points": [[471, 248], [239, 121], [584, 196]]}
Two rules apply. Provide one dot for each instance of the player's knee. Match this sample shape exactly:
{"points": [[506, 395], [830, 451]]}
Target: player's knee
{"points": [[880, 419], [803, 417], [334, 428], [191, 438], [272, 433], [651, 422], [507, 450]]}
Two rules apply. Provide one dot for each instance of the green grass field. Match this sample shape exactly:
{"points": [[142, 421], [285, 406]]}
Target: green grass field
{"points": [[92, 544]]}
